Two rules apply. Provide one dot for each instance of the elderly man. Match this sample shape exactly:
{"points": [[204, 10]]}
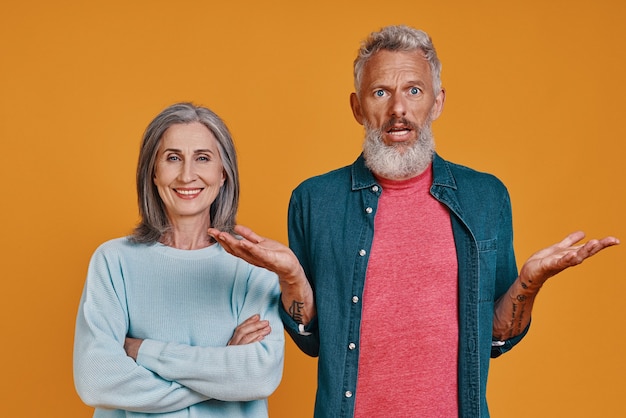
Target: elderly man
{"points": [[405, 282]]}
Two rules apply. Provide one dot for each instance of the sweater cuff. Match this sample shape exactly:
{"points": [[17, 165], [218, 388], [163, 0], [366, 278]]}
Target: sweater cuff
{"points": [[149, 354]]}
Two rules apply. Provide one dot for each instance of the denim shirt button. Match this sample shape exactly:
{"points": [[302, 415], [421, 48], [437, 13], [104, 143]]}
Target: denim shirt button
{"points": [[472, 394], [472, 345], [355, 299], [362, 253], [368, 210], [348, 394], [351, 346], [375, 189]]}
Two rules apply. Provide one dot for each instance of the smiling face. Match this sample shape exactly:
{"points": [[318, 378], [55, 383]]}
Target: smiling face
{"points": [[396, 96], [188, 172]]}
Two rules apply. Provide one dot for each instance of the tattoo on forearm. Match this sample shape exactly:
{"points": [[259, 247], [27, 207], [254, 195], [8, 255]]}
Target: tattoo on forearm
{"points": [[517, 318], [513, 316], [295, 311], [520, 319]]}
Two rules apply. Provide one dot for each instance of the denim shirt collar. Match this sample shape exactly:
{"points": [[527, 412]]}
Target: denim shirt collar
{"points": [[442, 176], [363, 178]]}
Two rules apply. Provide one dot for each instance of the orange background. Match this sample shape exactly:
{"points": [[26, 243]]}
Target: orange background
{"points": [[535, 94]]}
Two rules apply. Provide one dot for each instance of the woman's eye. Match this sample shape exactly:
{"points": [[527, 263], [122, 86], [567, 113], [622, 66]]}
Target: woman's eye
{"points": [[203, 158], [172, 158]]}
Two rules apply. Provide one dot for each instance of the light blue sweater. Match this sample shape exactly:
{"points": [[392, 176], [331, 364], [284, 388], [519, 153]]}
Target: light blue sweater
{"points": [[185, 304]]}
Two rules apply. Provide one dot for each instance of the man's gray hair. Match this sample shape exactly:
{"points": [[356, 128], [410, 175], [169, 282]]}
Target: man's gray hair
{"points": [[398, 38]]}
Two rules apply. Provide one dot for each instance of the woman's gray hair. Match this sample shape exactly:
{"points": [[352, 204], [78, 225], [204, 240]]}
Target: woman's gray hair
{"points": [[398, 38], [153, 218]]}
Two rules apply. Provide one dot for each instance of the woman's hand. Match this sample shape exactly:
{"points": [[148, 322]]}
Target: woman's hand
{"points": [[131, 346], [250, 331]]}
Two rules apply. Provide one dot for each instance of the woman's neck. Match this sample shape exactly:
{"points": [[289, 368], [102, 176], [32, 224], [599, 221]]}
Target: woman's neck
{"points": [[190, 235]]}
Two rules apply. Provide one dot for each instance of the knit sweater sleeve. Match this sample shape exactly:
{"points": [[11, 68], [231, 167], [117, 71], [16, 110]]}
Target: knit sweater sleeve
{"points": [[229, 373], [104, 376]]}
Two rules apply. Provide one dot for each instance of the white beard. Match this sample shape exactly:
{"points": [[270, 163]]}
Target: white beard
{"points": [[398, 161]]}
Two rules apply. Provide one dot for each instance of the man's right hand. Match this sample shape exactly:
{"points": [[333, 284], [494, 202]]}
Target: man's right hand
{"points": [[297, 294]]}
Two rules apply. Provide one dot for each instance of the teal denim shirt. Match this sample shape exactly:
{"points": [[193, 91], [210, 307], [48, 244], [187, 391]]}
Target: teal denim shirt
{"points": [[331, 227]]}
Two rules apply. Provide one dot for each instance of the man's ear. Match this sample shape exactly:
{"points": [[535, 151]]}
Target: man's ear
{"points": [[438, 106], [355, 105]]}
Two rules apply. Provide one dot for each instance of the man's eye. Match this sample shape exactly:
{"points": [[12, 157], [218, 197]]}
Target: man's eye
{"points": [[379, 93], [414, 90]]}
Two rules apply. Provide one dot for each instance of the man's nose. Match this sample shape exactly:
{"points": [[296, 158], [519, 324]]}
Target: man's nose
{"points": [[397, 106]]}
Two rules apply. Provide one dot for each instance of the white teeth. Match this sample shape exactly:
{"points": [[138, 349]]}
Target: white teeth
{"points": [[188, 192], [402, 132]]}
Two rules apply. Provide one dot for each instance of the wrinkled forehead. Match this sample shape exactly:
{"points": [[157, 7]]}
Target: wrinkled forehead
{"points": [[396, 65]]}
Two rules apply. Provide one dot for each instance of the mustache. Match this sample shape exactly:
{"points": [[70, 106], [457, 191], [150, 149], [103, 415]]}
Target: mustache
{"points": [[398, 121]]}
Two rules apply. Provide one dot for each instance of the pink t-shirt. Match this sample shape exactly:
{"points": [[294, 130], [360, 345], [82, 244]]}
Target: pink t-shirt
{"points": [[409, 329]]}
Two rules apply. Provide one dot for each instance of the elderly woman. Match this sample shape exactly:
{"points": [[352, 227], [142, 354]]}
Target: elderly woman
{"points": [[170, 324]]}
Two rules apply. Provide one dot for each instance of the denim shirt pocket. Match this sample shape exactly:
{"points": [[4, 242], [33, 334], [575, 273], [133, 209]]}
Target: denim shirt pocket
{"points": [[487, 256]]}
